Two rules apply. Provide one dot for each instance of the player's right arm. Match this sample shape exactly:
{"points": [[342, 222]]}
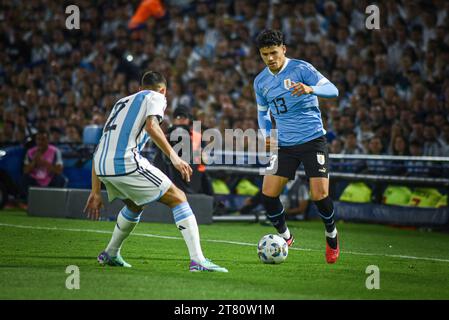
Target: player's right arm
{"points": [[263, 114], [157, 135]]}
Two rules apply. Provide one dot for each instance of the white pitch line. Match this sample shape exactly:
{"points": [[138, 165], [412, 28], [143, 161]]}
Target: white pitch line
{"points": [[148, 235]]}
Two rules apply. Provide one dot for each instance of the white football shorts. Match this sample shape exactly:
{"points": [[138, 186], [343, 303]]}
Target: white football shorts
{"points": [[143, 186]]}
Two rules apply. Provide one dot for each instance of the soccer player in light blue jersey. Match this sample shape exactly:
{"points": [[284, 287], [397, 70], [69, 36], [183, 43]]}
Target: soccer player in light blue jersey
{"points": [[128, 176], [288, 89]]}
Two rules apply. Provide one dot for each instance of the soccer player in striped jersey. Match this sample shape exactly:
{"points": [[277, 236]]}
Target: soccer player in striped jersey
{"points": [[288, 89], [128, 176]]}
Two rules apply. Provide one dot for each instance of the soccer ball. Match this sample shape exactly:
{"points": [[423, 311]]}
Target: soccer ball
{"points": [[272, 249]]}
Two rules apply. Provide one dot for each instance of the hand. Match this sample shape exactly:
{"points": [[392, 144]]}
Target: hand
{"points": [[184, 168], [93, 206], [270, 144], [44, 164], [37, 160], [300, 88]]}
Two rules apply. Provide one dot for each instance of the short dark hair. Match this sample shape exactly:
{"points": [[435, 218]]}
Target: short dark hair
{"points": [[182, 111], [152, 80], [269, 38], [415, 143], [42, 131], [351, 133]]}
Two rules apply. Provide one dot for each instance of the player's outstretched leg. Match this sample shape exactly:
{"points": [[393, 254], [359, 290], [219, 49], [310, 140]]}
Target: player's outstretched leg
{"points": [[326, 211], [276, 214], [186, 222], [127, 220]]}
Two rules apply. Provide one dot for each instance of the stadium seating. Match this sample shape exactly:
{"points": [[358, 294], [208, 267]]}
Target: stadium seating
{"points": [[92, 134]]}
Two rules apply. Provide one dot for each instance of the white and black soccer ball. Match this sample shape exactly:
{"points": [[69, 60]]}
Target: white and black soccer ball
{"points": [[272, 249]]}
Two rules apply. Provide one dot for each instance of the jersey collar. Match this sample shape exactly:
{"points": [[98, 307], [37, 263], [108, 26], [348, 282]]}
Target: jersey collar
{"points": [[287, 60]]}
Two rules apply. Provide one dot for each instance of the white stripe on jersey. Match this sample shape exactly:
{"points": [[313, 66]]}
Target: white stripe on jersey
{"points": [[122, 134], [322, 81], [262, 108]]}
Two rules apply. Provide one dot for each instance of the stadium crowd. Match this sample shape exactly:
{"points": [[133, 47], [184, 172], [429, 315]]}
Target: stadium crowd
{"points": [[393, 82]]}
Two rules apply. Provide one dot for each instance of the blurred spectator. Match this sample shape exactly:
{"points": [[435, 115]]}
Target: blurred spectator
{"points": [[399, 146], [444, 139], [42, 166], [432, 146], [378, 165], [55, 135], [336, 146], [296, 199], [72, 135], [53, 77], [351, 145], [417, 168]]}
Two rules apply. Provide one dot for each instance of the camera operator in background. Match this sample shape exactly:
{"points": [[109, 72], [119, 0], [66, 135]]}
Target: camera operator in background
{"points": [[182, 125]]}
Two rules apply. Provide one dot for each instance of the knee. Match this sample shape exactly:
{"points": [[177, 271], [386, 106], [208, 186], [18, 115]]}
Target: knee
{"points": [[179, 196], [173, 197], [269, 191], [134, 208]]}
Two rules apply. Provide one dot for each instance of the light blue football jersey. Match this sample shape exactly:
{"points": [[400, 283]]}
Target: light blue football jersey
{"points": [[124, 135], [298, 119]]}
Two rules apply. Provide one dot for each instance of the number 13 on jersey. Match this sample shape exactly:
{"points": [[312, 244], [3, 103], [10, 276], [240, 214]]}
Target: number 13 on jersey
{"points": [[279, 104]]}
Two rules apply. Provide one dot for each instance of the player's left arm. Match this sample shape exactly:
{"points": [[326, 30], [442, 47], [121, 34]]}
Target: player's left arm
{"points": [[158, 137], [314, 83], [95, 201]]}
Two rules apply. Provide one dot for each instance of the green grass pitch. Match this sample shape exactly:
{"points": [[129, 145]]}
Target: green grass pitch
{"points": [[36, 251]]}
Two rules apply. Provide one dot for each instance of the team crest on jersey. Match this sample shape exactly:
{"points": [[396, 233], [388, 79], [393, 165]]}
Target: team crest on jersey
{"points": [[320, 158], [287, 84]]}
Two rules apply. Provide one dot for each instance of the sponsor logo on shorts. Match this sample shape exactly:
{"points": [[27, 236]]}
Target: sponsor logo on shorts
{"points": [[323, 170]]}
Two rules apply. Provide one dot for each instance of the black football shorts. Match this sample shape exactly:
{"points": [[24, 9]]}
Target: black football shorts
{"points": [[313, 155]]}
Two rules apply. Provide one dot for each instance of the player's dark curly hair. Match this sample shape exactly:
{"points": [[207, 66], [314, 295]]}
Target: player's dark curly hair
{"points": [[153, 79], [268, 38]]}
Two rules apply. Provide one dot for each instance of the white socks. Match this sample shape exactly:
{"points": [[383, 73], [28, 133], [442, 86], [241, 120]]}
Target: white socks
{"points": [[126, 222], [186, 222], [332, 234], [286, 235]]}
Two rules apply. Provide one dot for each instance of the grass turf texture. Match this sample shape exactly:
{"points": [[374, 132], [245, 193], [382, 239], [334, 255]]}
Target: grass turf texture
{"points": [[33, 262]]}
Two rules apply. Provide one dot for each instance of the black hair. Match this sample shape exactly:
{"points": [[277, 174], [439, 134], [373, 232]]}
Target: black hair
{"points": [[351, 133], [415, 143], [152, 80], [42, 131], [269, 38]]}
